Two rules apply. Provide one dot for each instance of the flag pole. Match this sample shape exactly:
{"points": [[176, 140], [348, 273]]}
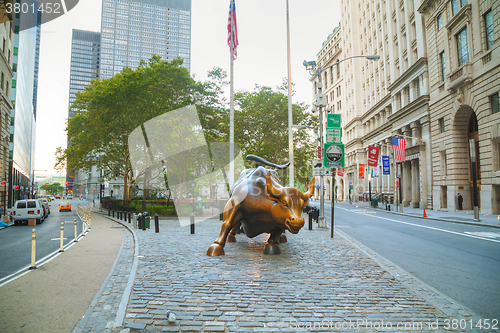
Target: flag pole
{"points": [[231, 102], [290, 114]]}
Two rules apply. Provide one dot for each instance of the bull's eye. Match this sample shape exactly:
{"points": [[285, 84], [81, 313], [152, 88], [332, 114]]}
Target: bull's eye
{"points": [[284, 203]]}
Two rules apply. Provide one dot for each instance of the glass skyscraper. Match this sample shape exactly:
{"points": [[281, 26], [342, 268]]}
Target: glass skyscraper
{"points": [[134, 30], [85, 50]]}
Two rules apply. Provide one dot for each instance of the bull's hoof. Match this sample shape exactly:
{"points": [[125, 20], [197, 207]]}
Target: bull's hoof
{"points": [[283, 238], [215, 250], [272, 248], [231, 238]]}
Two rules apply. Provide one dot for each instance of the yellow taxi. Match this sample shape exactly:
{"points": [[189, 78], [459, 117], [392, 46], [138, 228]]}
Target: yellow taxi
{"points": [[64, 206]]}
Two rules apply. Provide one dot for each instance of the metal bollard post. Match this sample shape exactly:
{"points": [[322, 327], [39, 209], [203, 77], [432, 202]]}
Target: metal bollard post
{"points": [[113, 213], [76, 232], [128, 217], [143, 222], [191, 218], [33, 249], [61, 247], [310, 220], [109, 212], [157, 224], [83, 227]]}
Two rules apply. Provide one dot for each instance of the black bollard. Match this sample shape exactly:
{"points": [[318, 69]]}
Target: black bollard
{"points": [[310, 220], [109, 212], [157, 224], [191, 218], [128, 217], [143, 222], [113, 213]]}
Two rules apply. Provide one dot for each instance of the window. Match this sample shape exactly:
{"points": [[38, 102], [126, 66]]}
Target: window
{"points": [[3, 79], [455, 5], [443, 65], [463, 47], [495, 103], [441, 125], [488, 22], [440, 21]]}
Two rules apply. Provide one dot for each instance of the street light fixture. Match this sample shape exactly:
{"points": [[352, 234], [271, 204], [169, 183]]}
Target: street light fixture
{"points": [[320, 103]]}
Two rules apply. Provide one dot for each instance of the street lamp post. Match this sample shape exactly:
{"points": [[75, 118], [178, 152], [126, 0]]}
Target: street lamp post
{"points": [[320, 103]]}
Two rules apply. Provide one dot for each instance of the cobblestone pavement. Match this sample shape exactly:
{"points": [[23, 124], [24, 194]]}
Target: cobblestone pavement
{"points": [[103, 309], [315, 284]]}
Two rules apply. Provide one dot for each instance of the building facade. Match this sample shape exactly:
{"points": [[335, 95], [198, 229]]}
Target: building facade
{"points": [[7, 38], [436, 85], [23, 100], [135, 30], [386, 98], [463, 41]]}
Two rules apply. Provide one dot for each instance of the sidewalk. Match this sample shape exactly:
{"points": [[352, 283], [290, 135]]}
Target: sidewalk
{"points": [[54, 297], [315, 280], [464, 216]]}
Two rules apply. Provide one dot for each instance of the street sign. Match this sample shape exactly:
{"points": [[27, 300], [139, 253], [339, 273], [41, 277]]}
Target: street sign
{"points": [[333, 135], [3, 182], [397, 182], [16, 187], [334, 155], [319, 152], [318, 169], [333, 121]]}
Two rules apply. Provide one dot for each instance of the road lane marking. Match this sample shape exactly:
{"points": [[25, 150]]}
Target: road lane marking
{"points": [[485, 234], [427, 227]]}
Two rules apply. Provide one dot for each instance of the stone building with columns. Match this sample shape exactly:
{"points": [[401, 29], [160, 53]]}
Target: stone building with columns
{"points": [[331, 79], [463, 43], [385, 98]]}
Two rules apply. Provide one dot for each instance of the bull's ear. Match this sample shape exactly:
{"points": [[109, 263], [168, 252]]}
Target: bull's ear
{"points": [[273, 193]]}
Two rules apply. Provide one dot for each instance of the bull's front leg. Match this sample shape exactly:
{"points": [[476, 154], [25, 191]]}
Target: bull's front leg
{"points": [[231, 238], [231, 219], [272, 246]]}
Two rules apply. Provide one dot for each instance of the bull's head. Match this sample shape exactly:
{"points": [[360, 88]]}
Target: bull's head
{"points": [[288, 204]]}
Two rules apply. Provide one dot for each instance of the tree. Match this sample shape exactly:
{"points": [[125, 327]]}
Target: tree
{"points": [[53, 188], [261, 127], [109, 110]]}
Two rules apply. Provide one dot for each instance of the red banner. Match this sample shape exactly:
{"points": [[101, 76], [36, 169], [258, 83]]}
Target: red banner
{"points": [[361, 171], [373, 155], [340, 172], [319, 152]]}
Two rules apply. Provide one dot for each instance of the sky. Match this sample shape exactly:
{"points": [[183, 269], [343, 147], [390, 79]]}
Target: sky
{"points": [[262, 54]]}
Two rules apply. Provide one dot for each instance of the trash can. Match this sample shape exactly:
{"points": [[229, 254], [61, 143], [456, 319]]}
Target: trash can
{"points": [[374, 202], [148, 221]]}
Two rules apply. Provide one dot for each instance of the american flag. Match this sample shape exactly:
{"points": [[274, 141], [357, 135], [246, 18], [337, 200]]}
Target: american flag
{"points": [[232, 30], [398, 149]]}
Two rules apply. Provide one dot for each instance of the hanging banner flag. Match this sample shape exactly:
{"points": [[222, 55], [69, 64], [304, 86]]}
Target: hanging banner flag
{"points": [[374, 171], [232, 31], [386, 165], [398, 149], [373, 155], [340, 172], [361, 171]]}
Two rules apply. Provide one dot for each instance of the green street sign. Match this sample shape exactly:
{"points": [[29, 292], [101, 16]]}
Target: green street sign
{"points": [[333, 156], [333, 121], [333, 135]]}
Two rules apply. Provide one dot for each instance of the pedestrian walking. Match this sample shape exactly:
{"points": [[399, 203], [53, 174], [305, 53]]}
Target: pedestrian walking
{"points": [[460, 201], [1, 213]]}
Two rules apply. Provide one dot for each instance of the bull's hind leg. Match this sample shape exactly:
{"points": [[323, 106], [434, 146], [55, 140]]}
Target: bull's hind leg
{"points": [[231, 218], [231, 238]]}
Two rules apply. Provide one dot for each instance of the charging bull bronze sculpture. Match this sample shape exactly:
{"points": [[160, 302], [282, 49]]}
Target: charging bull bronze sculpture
{"points": [[261, 205]]}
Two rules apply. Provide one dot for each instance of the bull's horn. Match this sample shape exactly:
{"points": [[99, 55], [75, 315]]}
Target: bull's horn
{"points": [[308, 194], [270, 188]]}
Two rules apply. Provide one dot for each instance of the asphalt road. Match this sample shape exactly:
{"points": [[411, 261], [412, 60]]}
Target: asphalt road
{"points": [[15, 241], [462, 261]]}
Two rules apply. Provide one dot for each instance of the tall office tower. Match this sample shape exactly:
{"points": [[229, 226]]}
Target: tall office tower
{"points": [[23, 117], [37, 58], [85, 50], [134, 30]]}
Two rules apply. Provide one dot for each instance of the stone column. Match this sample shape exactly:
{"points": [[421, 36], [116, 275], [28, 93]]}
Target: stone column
{"points": [[415, 186]]}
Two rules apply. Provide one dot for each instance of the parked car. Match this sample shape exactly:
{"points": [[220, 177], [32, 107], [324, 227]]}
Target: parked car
{"points": [[24, 210], [46, 205], [69, 197], [64, 206]]}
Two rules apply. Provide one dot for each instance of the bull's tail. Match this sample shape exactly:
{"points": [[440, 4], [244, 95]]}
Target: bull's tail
{"points": [[260, 160]]}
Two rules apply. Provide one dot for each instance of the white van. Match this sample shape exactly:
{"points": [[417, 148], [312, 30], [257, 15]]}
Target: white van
{"points": [[24, 210], [69, 197]]}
